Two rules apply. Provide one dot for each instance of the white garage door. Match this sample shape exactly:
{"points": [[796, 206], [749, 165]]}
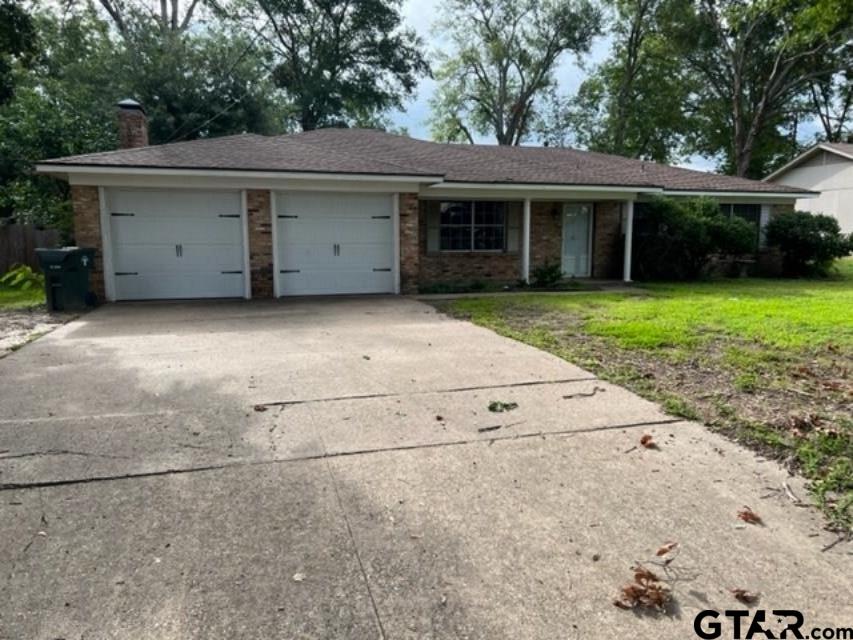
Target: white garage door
{"points": [[330, 243], [176, 244]]}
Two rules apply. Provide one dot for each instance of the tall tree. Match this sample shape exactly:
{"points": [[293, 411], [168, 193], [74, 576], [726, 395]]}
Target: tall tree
{"points": [[632, 103], [832, 102], [17, 43], [754, 59], [169, 17], [339, 62], [500, 73]]}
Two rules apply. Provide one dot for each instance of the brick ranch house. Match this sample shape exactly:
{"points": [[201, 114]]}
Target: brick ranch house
{"points": [[342, 211]]}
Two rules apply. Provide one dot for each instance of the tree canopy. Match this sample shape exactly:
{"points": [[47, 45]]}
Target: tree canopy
{"points": [[499, 74]]}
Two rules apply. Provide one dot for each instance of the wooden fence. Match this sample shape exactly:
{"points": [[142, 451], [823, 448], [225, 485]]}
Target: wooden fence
{"points": [[18, 244]]}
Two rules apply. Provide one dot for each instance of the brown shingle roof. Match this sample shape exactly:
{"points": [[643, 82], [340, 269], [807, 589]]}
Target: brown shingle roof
{"points": [[367, 151]]}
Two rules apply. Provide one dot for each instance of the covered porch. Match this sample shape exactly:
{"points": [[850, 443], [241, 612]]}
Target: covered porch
{"points": [[506, 240]]}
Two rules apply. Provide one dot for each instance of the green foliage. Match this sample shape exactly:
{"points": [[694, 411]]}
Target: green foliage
{"points": [[546, 274], [499, 76], [18, 44], [193, 83], [632, 103], [809, 243], [23, 278], [338, 63], [755, 62], [675, 239]]}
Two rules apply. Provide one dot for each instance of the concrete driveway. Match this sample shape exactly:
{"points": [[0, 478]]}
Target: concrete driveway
{"points": [[330, 469]]}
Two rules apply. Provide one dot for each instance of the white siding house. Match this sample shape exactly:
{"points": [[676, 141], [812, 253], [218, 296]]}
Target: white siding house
{"points": [[827, 168]]}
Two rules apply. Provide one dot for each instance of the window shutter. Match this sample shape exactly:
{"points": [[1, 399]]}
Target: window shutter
{"points": [[433, 215], [513, 226]]}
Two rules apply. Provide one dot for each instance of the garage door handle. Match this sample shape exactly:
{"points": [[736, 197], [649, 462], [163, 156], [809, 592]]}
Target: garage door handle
{"points": [[123, 215], [289, 271], [226, 272], [179, 250], [381, 217], [127, 273], [382, 269]]}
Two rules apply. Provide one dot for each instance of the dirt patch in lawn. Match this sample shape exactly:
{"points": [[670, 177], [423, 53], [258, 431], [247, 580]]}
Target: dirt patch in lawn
{"points": [[20, 326]]}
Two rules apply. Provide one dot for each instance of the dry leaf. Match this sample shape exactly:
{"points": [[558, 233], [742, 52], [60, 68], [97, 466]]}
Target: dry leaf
{"points": [[665, 549], [648, 442], [748, 515], [744, 596], [646, 591]]}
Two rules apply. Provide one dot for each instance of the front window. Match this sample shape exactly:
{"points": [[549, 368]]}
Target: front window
{"points": [[473, 226], [749, 212]]}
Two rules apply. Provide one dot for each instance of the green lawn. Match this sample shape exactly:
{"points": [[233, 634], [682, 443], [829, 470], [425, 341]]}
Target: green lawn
{"points": [[768, 362], [11, 299]]}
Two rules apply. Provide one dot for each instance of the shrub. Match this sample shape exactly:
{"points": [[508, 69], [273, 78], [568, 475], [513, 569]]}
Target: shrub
{"points": [[22, 277], [547, 274], [809, 243], [675, 239]]}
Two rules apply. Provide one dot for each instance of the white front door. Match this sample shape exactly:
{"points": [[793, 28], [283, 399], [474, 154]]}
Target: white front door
{"points": [[176, 244], [332, 243], [577, 236]]}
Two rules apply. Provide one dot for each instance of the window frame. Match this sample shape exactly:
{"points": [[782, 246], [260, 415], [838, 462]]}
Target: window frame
{"points": [[728, 209], [473, 226]]}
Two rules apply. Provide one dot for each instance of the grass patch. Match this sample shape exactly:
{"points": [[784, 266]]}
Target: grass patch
{"points": [[14, 299], [763, 361]]}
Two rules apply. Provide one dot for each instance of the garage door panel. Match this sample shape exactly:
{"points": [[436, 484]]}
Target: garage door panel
{"points": [[142, 228], [330, 243], [154, 286], [176, 244], [188, 204], [325, 282]]}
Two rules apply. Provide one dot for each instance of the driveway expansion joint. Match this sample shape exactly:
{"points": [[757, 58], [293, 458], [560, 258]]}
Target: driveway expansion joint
{"points": [[15, 486], [371, 396]]}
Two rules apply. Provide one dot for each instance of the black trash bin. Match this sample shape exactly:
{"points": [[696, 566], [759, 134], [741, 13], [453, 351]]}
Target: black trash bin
{"points": [[66, 277]]}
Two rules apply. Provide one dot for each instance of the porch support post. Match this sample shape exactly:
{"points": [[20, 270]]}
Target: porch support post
{"points": [[629, 240], [525, 242]]}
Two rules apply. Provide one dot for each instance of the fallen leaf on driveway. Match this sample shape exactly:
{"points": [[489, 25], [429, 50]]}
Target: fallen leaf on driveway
{"points": [[647, 592], [260, 407], [665, 549], [648, 442], [497, 406], [744, 596], [748, 515]]}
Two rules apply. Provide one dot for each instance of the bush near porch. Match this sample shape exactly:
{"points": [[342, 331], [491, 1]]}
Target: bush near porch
{"points": [[766, 362]]}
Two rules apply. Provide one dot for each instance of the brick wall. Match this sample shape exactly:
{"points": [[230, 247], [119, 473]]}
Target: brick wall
{"points": [[87, 231], [608, 247], [546, 234], [409, 252], [132, 129], [260, 243], [463, 267]]}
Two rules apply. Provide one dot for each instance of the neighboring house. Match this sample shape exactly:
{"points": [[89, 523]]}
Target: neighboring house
{"points": [[828, 168], [360, 211]]}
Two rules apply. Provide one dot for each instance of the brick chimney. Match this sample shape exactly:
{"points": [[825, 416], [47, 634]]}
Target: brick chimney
{"points": [[132, 125]]}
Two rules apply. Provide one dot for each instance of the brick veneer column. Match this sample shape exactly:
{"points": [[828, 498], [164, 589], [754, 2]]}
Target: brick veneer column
{"points": [[86, 206], [607, 244], [260, 243], [409, 254]]}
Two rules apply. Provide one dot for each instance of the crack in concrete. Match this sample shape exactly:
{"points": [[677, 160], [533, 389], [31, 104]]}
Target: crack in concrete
{"points": [[61, 452], [15, 486], [370, 396], [97, 416], [355, 550]]}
